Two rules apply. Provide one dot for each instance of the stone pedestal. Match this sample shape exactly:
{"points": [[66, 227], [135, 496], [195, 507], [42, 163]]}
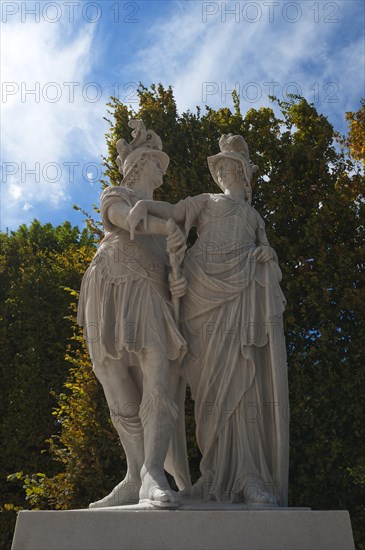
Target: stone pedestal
{"points": [[204, 528]]}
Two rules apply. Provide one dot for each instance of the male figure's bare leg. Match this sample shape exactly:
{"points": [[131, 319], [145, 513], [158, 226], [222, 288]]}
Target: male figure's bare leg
{"points": [[158, 415], [123, 398]]}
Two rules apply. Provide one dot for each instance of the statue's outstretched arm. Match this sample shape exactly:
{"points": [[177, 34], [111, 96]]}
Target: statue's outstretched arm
{"points": [[185, 213], [146, 211], [119, 212]]}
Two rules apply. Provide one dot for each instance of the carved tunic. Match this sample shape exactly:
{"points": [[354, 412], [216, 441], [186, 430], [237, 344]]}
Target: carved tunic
{"points": [[236, 362], [124, 300]]}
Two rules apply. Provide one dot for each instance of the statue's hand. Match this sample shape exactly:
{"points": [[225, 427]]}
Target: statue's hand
{"points": [[139, 213], [177, 287], [175, 241], [263, 254]]}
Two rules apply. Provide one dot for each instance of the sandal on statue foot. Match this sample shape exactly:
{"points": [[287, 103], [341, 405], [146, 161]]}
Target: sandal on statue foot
{"points": [[124, 494], [162, 503]]}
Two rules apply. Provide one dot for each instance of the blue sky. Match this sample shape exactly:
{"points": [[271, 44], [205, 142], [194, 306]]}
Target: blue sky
{"points": [[61, 60]]}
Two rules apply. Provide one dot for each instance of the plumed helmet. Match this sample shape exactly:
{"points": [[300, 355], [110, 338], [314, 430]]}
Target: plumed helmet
{"points": [[145, 143], [232, 147]]}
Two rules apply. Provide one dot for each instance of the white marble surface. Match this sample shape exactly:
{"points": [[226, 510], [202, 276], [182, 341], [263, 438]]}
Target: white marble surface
{"points": [[155, 320], [231, 318], [183, 530], [126, 307], [199, 504]]}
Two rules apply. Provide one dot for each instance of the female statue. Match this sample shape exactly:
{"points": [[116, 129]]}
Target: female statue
{"points": [[131, 334], [231, 318]]}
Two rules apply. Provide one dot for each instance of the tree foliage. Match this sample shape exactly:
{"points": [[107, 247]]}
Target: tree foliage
{"points": [[310, 192], [36, 263], [355, 140]]}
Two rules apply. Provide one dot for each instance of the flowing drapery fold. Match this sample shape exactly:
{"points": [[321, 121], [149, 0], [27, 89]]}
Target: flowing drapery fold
{"points": [[236, 362]]}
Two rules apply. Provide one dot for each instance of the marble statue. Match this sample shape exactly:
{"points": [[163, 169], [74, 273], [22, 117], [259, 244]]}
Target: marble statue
{"points": [[231, 319], [132, 337]]}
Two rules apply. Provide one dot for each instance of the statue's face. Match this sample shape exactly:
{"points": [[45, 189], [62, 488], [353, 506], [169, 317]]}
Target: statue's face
{"points": [[229, 173], [153, 172]]}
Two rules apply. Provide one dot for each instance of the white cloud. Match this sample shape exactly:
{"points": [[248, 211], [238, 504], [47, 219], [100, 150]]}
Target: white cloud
{"points": [[176, 47], [45, 129], [15, 191], [227, 49]]}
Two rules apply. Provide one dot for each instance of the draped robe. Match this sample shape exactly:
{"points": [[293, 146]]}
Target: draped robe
{"points": [[125, 307], [231, 318]]}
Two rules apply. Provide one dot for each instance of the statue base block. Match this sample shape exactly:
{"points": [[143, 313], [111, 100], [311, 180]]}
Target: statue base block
{"points": [[212, 528]]}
